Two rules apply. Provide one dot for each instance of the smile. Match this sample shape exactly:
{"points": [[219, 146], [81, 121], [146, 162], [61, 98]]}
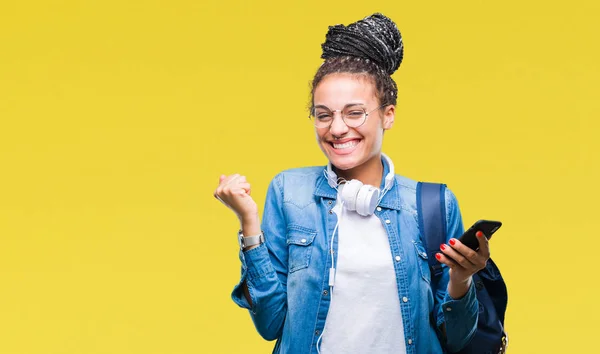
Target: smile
{"points": [[346, 145]]}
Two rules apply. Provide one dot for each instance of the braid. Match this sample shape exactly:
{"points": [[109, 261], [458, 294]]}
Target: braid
{"points": [[376, 38], [371, 47]]}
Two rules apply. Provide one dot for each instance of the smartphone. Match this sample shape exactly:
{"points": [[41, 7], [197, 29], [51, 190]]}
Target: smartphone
{"points": [[488, 227]]}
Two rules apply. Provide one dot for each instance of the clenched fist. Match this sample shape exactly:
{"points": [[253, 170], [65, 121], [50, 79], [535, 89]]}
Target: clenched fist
{"points": [[234, 192]]}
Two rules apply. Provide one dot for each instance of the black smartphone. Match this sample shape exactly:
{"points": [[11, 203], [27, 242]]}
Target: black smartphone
{"points": [[488, 227]]}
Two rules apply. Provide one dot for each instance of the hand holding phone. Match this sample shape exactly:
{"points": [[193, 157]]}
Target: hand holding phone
{"points": [[488, 227]]}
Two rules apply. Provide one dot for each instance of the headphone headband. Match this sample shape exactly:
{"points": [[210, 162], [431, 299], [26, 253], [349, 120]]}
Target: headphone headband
{"points": [[389, 178]]}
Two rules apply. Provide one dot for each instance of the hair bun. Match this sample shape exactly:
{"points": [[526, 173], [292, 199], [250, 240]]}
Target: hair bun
{"points": [[375, 38]]}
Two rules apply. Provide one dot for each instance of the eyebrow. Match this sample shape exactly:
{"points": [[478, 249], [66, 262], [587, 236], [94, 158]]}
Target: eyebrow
{"points": [[346, 106]]}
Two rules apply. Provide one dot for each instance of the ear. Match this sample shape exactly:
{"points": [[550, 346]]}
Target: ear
{"points": [[389, 115]]}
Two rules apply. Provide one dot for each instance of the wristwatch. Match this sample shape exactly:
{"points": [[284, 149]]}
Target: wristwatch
{"points": [[249, 241]]}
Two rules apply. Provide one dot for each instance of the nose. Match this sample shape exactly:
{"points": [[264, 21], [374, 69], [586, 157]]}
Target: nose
{"points": [[338, 127]]}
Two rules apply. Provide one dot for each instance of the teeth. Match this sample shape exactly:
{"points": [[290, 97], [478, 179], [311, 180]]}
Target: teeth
{"points": [[345, 145]]}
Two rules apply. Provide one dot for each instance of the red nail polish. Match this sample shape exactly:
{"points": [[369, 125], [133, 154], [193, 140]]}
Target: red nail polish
{"points": [[479, 234], [442, 247], [438, 256], [452, 241]]}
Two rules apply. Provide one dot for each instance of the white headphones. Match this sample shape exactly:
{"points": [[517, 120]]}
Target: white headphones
{"points": [[359, 197]]}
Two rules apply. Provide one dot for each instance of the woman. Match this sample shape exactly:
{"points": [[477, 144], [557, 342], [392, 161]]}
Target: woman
{"points": [[337, 265]]}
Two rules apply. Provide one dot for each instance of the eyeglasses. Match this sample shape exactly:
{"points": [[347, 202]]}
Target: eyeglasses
{"points": [[353, 116]]}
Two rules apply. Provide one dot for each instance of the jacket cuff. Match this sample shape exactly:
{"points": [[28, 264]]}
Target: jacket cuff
{"points": [[460, 317], [256, 268]]}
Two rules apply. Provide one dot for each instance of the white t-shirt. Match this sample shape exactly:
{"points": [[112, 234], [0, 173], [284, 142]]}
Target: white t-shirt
{"points": [[364, 314]]}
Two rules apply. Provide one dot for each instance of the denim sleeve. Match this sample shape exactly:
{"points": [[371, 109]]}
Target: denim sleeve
{"points": [[460, 315], [264, 269]]}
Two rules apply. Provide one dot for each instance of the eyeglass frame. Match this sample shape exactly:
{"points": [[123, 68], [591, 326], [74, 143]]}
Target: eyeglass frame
{"points": [[343, 120]]}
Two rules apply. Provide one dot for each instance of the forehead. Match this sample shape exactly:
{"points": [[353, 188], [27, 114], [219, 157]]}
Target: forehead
{"points": [[337, 90]]}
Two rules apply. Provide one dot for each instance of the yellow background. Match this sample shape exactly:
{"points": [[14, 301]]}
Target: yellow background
{"points": [[117, 118]]}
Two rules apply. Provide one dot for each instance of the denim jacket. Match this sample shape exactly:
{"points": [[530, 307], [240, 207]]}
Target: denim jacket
{"points": [[287, 276]]}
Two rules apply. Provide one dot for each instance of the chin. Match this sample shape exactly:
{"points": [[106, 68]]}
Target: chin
{"points": [[345, 163]]}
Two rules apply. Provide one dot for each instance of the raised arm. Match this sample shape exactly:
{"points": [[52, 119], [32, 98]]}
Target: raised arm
{"points": [[262, 287]]}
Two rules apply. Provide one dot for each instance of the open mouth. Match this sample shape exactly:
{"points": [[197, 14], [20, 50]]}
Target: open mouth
{"points": [[345, 147]]}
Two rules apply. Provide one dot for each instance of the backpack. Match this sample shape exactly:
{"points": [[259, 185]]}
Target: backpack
{"points": [[489, 337]]}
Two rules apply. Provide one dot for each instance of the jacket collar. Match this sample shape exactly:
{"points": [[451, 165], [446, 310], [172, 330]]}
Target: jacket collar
{"points": [[391, 200]]}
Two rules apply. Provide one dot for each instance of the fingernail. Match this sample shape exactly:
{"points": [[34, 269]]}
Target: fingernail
{"points": [[442, 246], [438, 256], [452, 241], [479, 234]]}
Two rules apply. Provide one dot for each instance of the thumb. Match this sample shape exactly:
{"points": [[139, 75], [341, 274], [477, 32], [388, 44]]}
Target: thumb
{"points": [[221, 178]]}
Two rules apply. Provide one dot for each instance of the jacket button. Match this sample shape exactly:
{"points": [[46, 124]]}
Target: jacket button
{"points": [[331, 211], [329, 202], [317, 332], [398, 258], [378, 208], [410, 341], [325, 292], [405, 299], [387, 221]]}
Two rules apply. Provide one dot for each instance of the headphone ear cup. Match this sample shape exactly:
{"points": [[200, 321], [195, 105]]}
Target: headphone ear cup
{"points": [[366, 200], [349, 193]]}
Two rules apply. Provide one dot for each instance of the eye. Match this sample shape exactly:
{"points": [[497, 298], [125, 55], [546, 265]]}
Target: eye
{"points": [[323, 115], [355, 114]]}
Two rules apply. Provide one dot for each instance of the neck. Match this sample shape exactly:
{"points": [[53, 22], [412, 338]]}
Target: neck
{"points": [[369, 172]]}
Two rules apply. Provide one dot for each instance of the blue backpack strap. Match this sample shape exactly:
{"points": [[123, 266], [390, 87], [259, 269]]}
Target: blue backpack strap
{"points": [[431, 209]]}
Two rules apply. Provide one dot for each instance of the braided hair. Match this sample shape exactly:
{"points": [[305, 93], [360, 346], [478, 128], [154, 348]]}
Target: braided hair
{"points": [[371, 47]]}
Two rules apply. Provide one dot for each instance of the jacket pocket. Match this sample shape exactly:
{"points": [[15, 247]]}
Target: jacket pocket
{"points": [[422, 260], [299, 240]]}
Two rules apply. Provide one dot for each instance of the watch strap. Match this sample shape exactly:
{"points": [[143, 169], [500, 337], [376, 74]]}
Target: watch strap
{"points": [[249, 241]]}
